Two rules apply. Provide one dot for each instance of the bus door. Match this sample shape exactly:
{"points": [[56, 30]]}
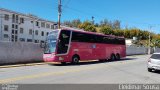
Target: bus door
{"points": [[63, 42]]}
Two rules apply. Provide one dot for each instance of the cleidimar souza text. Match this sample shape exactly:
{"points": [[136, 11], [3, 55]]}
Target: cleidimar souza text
{"points": [[139, 87]]}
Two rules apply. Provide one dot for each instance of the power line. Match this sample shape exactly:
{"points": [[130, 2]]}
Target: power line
{"points": [[66, 5]]}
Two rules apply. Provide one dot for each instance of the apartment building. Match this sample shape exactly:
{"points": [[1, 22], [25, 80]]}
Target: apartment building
{"points": [[19, 27]]}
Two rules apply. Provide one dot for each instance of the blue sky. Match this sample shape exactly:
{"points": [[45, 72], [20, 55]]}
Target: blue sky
{"points": [[131, 13]]}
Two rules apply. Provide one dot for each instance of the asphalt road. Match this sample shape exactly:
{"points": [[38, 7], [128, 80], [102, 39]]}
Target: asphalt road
{"points": [[133, 69]]}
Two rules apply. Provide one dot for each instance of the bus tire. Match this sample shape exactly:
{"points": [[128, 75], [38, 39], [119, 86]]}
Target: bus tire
{"points": [[113, 57], [118, 57], [75, 59], [149, 70]]}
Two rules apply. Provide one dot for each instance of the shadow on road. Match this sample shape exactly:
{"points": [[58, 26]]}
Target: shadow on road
{"points": [[93, 62], [157, 71]]}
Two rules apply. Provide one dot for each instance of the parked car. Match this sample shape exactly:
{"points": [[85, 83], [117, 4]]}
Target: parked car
{"points": [[154, 62]]}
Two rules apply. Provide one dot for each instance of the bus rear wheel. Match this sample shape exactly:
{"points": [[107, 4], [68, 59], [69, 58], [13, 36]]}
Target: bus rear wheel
{"points": [[75, 59], [117, 57], [113, 57]]}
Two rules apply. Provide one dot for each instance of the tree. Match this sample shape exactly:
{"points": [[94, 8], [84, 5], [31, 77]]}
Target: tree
{"points": [[73, 23], [134, 32], [87, 26], [105, 22], [118, 32], [127, 33], [76, 22], [106, 30], [67, 23], [116, 24]]}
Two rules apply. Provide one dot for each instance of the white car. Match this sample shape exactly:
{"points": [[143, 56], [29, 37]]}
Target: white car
{"points": [[154, 62]]}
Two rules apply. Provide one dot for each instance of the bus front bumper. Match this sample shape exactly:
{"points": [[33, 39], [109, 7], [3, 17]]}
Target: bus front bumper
{"points": [[50, 58], [53, 58]]}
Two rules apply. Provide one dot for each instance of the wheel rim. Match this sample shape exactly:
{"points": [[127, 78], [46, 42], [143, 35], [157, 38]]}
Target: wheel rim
{"points": [[75, 60], [118, 57], [113, 58]]}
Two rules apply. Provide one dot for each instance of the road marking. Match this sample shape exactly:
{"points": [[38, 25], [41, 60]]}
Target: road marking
{"points": [[38, 75], [21, 65], [29, 64], [34, 64]]}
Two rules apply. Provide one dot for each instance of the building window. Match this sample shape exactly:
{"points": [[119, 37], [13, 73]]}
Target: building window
{"points": [[12, 25], [16, 26], [30, 31], [31, 21], [43, 24], [42, 33], [5, 27], [29, 40], [22, 39], [37, 23], [12, 31], [42, 41], [21, 30], [16, 31], [16, 18], [47, 33], [6, 17], [6, 36], [13, 18], [52, 26], [12, 37], [36, 41], [16, 38], [47, 25], [21, 20], [36, 32]]}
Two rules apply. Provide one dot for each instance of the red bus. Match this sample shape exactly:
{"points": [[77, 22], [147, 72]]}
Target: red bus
{"points": [[68, 45]]}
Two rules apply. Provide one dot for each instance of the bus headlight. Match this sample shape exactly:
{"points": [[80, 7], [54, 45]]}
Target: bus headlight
{"points": [[61, 58]]}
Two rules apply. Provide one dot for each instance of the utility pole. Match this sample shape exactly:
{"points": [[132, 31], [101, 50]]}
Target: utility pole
{"points": [[149, 42], [59, 14], [93, 20]]}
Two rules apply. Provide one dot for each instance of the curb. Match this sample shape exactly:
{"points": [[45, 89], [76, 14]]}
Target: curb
{"points": [[20, 65]]}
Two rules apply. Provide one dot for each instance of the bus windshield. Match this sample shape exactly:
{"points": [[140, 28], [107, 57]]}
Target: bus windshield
{"points": [[51, 42]]}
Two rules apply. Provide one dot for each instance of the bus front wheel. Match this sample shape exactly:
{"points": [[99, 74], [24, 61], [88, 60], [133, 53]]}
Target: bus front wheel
{"points": [[75, 59]]}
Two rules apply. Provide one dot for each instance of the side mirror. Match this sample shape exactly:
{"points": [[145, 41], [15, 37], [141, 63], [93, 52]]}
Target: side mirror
{"points": [[42, 44]]}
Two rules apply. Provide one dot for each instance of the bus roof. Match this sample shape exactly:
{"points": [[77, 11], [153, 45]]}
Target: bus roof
{"points": [[81, 30]]}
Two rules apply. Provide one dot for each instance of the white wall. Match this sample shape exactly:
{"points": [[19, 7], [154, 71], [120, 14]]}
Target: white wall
{"points": [[133, 50], [157, 49], [19, 52]]}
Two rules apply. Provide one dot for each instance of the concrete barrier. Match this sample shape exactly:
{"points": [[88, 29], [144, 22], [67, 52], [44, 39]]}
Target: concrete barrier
{"points": [[157, 49], [19, 52], [134, 50]]}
